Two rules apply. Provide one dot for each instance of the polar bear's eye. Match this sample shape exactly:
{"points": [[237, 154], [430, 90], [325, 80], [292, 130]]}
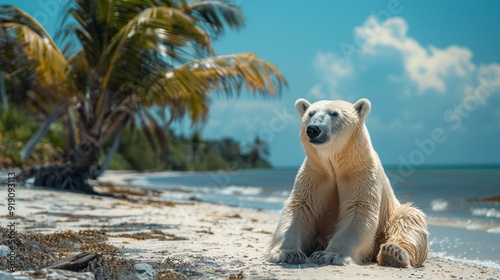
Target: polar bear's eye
{"points": [[334, 114], [312, 113]]}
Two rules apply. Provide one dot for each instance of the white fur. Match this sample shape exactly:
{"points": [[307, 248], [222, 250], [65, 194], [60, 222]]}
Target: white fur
{"points": [[342, 208]]}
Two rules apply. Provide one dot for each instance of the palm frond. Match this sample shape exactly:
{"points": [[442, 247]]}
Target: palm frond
{"points": [[188, 85], [215, 15], [39, 50], [160, 133], [9, 13], [154, 26], [81, 69]]}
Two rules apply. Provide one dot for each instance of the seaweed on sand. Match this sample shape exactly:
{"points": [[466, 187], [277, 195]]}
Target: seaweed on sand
{"points": [[35, 251]]}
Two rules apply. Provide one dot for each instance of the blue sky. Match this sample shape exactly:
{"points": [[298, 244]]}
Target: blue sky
{"points": [[430, 68]]}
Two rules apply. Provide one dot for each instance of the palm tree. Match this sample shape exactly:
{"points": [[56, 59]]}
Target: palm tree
{"points": [[197, 146], [257, 148], [124, 62], [229, 149]]}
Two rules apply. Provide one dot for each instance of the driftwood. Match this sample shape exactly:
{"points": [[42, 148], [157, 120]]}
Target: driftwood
{"points": [[76, 262]]}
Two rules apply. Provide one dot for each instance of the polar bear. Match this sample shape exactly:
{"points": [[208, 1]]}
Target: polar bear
{"points": [[342, 208]]}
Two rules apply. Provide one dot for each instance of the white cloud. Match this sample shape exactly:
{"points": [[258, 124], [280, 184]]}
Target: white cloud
{"points": [[317, 92], [427, 67], [492, 71], [411, 70], [332, 64], [332, 69], [488, 82]]}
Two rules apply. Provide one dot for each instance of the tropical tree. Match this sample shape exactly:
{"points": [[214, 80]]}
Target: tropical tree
{"points": [[256, 150], [123, 62], [197, 146], [229, 149]]}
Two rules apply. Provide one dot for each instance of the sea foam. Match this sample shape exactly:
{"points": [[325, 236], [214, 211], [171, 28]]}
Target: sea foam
{"points": [[438, 205], [488, 212]]}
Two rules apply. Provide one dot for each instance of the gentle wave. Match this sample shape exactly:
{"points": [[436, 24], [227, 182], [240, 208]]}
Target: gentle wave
{"points": [[488, 226], [268, 199], [494, 230], [487, 212], [238, 190], [488, 263], [232, 190], [438, 205]]}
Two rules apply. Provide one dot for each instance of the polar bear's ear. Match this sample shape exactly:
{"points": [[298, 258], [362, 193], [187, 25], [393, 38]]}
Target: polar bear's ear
{"points": [[362, 107], [301, 105]]}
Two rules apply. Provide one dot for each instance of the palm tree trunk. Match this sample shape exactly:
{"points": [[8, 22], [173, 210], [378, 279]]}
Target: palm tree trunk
{"points": [[30, 145], [73, 173], [70, 125], [97, 172], [3, 93]]}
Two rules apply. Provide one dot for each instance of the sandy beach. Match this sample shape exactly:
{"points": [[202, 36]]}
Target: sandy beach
{"points": [[195, 239]]}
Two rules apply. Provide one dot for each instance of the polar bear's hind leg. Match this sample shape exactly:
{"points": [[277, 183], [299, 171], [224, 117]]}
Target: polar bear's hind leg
{"points": [[407, 239]]}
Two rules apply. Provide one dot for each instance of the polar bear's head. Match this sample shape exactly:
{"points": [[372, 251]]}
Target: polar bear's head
{"points": [[330, 123]]}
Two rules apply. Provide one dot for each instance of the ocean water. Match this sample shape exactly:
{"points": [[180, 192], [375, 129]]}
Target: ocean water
{"points": [[460, 227]]}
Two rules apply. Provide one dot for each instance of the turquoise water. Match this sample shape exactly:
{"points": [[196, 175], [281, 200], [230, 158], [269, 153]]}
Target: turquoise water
{"points": [[460, 227]]}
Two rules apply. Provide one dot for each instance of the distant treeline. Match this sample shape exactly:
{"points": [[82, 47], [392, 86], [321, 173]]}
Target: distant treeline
{"points": [[187, 153], [134, 151]]}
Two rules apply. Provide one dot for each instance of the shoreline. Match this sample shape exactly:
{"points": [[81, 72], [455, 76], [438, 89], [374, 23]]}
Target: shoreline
{"points": [[199, 240], [444, 239], [125, 178]]}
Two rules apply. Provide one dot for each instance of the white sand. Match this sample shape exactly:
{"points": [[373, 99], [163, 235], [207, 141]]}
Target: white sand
{"points": [[222, 241]]}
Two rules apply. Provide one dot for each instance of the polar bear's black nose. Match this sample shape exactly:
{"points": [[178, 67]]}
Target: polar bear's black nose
{"points": [[313, 131]]}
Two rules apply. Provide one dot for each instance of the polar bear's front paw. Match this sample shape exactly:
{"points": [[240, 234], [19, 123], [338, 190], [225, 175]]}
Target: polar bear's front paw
{"points": [[286, 256], [322, 257], [393, 255]]}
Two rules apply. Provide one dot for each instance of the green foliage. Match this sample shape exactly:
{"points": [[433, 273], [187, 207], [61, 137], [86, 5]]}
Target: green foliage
{"points": [[185, 154], [178, 155], [134, 152], [119, 163], [209, 161], [16, 128]]}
